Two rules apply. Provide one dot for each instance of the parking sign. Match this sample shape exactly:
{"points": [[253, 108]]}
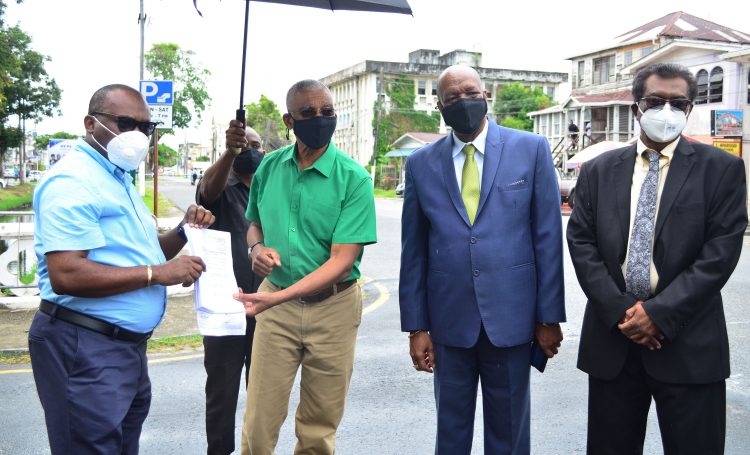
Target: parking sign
{"points": [[157, 92]]}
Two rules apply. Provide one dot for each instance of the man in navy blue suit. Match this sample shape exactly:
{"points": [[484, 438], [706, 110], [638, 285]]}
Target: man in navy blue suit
{"points": [[481, 267]]}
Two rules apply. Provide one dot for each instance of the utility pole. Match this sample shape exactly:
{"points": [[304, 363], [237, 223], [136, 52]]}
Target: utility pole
{"points": [[377, 125], [142, 22]]}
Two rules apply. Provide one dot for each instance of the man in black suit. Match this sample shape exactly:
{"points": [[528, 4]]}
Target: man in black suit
{"points": [[656, 233]]}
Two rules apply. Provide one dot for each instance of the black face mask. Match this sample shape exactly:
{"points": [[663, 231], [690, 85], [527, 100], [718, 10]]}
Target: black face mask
{"points": [[465, 116], [247, 162], [316, 132]]}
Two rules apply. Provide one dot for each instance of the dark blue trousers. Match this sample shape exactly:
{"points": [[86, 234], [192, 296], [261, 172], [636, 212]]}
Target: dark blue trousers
{"points": [[504, 375], [95, 391]]}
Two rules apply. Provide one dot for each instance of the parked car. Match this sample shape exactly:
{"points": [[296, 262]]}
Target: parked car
{"points": [[567, 183], [400, 189]]}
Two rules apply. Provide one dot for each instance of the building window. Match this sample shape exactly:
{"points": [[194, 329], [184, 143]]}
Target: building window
{"points": [[716, 85], [604, 70], [434, 88], [421, 87], [627, 58], [551, 92], [488, 89], [647, 50], [702, 80], [748, 87], [581, 70]]}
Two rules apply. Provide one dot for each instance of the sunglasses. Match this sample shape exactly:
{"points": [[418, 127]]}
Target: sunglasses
{"points": [[309, 112], [677, 104], [125, 123]]}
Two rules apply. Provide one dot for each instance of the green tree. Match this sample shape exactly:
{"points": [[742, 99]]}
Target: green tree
{"points": [[167, 61], [168, 156], [514, 102], [41, 142], [31, 94], [401, 117], [264, 117], [10, 137], [6, 60]]}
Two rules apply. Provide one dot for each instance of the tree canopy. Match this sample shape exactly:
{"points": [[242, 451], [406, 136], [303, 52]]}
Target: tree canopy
{"points": [[166, 61], [400, 117], [27, 92], [514, 102], [264, 117], [42, 141]]}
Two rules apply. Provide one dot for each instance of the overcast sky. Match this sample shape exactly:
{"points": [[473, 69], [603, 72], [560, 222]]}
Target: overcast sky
{"points": [[96, 42]]}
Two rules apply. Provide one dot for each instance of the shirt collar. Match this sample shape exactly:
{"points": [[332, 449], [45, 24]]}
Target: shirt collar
{"points": [[234, 179], [324, 164], [667, 151], [102, 161], [479, 142]]}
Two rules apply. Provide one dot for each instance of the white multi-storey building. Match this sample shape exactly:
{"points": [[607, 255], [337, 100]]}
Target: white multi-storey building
{"points": [[357, 88], [601, 80]]}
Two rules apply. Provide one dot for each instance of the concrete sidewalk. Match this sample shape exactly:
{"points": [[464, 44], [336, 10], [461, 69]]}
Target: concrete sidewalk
{"points": [[179, 319]]}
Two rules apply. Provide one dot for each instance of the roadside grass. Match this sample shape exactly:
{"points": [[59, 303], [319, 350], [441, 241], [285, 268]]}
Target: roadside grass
{"points": [[175, 344], [14, 358], [164, 345], [15, 196], [385, 193], [166, 208]]}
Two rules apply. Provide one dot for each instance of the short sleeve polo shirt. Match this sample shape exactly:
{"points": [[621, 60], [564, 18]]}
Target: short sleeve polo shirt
{"points": [[85, 203], [303, 213]]}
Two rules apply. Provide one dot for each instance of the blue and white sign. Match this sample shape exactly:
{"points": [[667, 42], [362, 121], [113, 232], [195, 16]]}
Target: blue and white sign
{"points": [[157, 92]]}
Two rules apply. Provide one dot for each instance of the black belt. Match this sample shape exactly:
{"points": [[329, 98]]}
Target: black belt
{"points": [[91, 323], [322, 294]]}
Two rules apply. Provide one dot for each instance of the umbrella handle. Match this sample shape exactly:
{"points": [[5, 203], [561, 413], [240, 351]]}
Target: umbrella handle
{"points": [[240, 116]]}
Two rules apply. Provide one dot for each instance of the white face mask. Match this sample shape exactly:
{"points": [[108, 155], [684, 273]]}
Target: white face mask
{"points": [[663, 125], [126, 150]]}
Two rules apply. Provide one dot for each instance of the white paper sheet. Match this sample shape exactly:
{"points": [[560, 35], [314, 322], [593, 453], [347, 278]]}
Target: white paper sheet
{"points": [[217, 312]]}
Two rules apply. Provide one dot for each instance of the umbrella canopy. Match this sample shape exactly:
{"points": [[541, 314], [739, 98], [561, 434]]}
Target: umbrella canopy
{"points": [[376, 6], [382, 6], [593, 151]]}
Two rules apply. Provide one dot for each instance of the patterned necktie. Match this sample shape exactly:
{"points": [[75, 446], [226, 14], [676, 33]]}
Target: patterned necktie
{"points": [[638, 279], [470, 182]]}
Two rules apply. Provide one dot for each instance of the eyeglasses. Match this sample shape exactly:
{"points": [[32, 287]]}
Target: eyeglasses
{"points": [[677, 104], [125, 123], [309, 112]]}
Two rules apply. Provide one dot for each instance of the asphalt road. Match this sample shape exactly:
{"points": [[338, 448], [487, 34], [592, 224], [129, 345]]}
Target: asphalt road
{"points": [[390, 409]]}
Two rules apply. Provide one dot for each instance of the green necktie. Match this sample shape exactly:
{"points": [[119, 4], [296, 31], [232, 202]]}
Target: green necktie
{"points": [[470, 182]]}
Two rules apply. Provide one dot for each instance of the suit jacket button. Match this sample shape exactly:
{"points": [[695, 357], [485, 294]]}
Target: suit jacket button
{"points": [[476, 272], [473, 240]]}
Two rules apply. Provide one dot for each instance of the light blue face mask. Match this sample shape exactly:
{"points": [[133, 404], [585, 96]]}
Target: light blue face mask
{"points": [[663, 125]]}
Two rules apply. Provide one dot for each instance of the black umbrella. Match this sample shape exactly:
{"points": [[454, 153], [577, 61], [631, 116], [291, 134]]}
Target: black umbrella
{"points": [[384, 6]]}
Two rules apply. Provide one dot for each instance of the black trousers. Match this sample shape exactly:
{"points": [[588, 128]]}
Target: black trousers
{"points": [[692, 417], [224, 360]]}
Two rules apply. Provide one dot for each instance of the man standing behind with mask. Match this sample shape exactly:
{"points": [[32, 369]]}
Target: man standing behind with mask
{"points": [[655, 235], [102, 276], [311, 212], [224, 190], [481, 267]]}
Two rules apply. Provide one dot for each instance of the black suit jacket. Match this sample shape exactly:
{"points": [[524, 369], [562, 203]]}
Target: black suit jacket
{"points": [[697, 243]]}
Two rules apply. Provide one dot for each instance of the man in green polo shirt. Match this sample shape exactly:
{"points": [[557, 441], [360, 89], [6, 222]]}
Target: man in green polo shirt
{"points": [[311, 211]]}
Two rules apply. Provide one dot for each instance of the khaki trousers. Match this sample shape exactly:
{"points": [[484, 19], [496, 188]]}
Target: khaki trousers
{"points": [[321, 338]]}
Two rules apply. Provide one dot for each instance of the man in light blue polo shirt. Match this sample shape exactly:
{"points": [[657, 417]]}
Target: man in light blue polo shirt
{"points": [[102, 275]]}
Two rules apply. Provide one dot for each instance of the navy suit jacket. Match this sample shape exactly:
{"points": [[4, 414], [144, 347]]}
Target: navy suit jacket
{"points": [[504, 272]]}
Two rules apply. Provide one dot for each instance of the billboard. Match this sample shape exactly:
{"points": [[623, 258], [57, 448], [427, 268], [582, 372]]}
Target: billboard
{"points": [[726, 123]]}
